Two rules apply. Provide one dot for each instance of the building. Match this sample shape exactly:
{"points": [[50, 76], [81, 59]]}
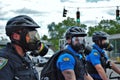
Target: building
{"points": [[115, 40]]}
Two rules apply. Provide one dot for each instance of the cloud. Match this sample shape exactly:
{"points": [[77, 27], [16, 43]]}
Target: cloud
{"points": [[45, 12], [64, 0], [2, 27], [3, 18], [90, 22], [2, 14], [96, 0], [111, 12], [29, 11], [69, 1], [26, 11]]}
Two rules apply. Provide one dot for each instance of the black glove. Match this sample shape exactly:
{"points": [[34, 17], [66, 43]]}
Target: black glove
{"points": [[108, 65]]}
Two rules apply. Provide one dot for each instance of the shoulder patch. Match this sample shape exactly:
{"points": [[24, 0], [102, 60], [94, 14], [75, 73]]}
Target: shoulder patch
{"points": [[66, 59], [95, 53], [3, 62]]}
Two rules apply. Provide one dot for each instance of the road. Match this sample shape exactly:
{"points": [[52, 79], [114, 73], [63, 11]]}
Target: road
{"points": [[108, 71], [113, 74]]}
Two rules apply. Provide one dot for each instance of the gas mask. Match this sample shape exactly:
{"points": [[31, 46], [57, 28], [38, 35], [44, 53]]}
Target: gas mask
{"points": [[108, 46], [78, 43], [87, 50], [34, 45], [33, 40], [30, 41]]}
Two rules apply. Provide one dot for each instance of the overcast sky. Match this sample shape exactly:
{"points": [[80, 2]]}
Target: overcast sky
{"points": [[45, 12]]}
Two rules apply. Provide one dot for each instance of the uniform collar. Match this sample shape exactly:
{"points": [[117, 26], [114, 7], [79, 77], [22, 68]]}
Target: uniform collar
{"points": [[95, 46], [73, 51]]}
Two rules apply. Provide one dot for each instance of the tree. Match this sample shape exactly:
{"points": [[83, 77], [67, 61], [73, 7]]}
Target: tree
{"points": [[109, 26], [44, 37]]}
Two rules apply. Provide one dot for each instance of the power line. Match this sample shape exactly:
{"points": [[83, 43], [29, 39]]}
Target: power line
{"points": [[93, 7]]}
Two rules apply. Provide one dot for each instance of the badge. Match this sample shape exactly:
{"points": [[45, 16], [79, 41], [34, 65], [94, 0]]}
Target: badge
{"points": [[66, 59], [95, 53], [3, 62]]}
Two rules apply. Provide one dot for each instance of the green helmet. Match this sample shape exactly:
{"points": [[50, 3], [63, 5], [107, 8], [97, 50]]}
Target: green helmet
{"points": [[20, 22]]}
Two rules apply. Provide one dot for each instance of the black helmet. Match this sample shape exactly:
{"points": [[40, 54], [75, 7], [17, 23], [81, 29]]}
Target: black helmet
{"points": [[99, 35], [75, 31], [20, 22]]}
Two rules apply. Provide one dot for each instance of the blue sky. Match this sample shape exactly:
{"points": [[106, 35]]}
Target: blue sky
{"points": [[45, 12]]}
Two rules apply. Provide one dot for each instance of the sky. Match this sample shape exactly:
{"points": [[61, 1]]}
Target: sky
{"points": [[45, 12]]}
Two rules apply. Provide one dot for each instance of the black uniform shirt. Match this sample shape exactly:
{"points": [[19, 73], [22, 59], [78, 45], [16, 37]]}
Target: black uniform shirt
{"points": [[15, 67]]}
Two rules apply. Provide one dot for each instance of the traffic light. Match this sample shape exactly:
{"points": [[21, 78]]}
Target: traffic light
{"points": [[78, 16], [117, 15], [64, 12]]}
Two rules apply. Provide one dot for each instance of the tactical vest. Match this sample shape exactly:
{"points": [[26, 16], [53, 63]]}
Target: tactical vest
{"points": [[26, 71], [91, 69], [79, 69], [22, 67]]}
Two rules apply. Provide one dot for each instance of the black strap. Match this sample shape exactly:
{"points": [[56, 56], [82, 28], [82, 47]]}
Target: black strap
{"points": [[83, 59], [103, 59]]}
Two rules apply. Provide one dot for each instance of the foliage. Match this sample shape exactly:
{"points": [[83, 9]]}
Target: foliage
{"points": [[44, 37], [109, 26]]}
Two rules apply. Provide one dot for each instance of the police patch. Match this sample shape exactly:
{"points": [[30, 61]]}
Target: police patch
{"points": [[95, 53], [3, 62], [66, 59]]}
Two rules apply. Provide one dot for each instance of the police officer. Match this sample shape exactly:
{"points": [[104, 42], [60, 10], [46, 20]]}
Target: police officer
{"points": [[71, 65], [97, 60], [14, 62]]}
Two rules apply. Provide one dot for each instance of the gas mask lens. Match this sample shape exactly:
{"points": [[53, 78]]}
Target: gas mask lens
{"points": [[79, 40], [78, 43], [34, 36]]}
